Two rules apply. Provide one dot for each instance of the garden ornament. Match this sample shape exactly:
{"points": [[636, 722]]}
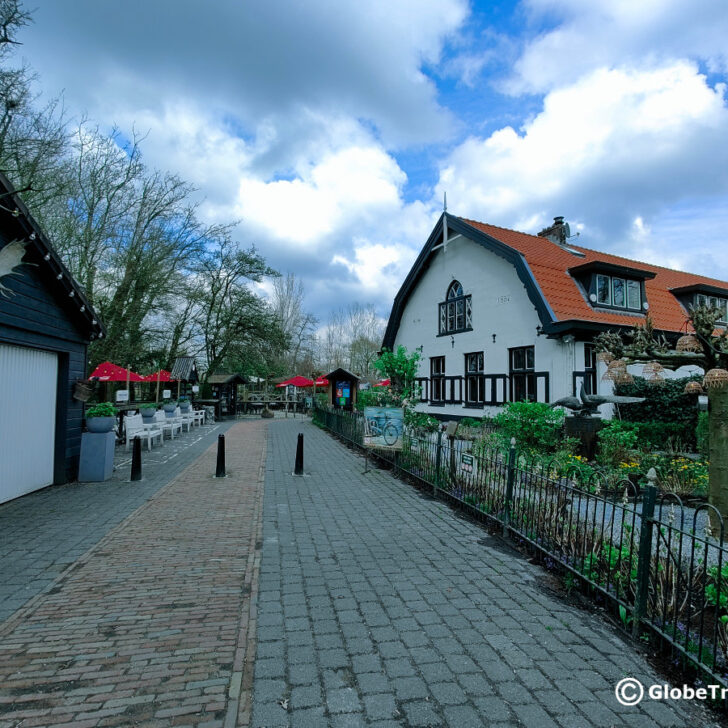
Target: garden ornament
{"points": [[587, 405]]}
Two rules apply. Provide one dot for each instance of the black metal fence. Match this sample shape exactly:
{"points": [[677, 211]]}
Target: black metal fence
{"points": [[659, 565]]}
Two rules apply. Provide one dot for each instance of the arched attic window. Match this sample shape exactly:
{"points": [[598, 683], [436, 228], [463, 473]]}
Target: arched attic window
{"points": [[456, 311], [455, 290]]}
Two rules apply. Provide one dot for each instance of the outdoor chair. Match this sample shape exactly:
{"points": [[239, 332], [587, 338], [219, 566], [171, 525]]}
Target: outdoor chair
{"points": [[167, 424], [199, 416], [135, 427], [185, 420]]}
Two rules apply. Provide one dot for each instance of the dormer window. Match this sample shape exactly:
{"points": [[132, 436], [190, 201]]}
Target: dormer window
{"points": [[618, 292], [704, 294], [456, 311], [702, 299], [611, 286]]}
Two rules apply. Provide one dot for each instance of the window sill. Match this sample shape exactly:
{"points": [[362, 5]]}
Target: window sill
{"points": [[457, 331], [474, 405]]}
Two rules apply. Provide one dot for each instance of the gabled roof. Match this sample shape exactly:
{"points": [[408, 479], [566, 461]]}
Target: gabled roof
{"points": [[184, 369], [543, 267], [341, 373], [15, 215]]}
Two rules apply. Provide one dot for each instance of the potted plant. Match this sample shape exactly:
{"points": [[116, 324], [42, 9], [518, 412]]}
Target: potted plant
{"points": [[101, 417], [148, 410], [184, 404], [169, 406]]}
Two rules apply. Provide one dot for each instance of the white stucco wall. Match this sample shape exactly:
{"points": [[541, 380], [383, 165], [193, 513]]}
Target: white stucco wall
{"points": [[500, 306]]}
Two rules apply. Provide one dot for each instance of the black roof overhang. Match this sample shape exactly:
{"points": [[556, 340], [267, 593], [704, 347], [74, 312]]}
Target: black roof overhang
{"points": [[700, 288], [596, 266], [456, 224], [587, 330]]}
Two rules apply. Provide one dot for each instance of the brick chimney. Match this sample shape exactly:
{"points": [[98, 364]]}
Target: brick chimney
{"points": [[557, 233]]}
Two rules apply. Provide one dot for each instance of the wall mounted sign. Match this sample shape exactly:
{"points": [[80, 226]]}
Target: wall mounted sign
{"points": [[122, 395], [167, 394]]}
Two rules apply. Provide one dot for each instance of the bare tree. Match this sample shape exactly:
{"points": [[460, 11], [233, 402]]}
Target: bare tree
{"points": [[297, 325]]}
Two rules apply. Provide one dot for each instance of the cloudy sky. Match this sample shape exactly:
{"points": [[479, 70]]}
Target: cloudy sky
{"points": [[331, 128]]}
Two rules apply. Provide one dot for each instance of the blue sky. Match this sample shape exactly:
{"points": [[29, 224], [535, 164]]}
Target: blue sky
{"points": [[331, 128]]}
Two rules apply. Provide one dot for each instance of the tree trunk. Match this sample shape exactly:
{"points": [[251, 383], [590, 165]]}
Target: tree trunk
{"points": [[718, 429]]}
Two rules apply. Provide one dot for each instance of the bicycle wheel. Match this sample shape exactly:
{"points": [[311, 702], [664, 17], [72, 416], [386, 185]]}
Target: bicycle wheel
{"points": [[391, 433]]}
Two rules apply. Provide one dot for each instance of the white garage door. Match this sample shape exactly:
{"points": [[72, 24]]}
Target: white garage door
{"points": [[28, 379]]}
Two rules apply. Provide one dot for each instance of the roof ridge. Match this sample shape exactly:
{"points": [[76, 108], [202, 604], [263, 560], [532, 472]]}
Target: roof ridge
{"points": [[594, 251]]}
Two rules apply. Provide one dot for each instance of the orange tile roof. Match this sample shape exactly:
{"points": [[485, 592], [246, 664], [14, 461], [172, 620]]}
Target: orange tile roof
{"points": [[549, 262]]}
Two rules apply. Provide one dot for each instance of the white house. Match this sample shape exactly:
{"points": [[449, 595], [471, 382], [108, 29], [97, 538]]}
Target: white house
{"points": [[500, 315]]}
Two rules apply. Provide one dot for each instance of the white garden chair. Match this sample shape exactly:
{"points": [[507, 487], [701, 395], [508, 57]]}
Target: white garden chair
{"points": [[185, 420], [199, 416], [134, 427], [167, 424]]}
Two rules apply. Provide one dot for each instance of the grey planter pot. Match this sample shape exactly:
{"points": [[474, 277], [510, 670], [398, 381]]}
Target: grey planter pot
{"points": [[100, 424], [169, 409], [184, 407], [148, 414]]}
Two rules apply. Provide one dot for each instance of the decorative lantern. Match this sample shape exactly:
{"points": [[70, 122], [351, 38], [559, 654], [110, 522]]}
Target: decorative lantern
{"points": [[693, 388], [605, 357], [656, 379], [716, 378], [622, 376], [615, 368], [688, 342], [652, 367]]}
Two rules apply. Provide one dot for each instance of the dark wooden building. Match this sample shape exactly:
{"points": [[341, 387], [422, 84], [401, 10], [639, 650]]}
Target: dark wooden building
{"points": [[45, 326], [225, 389]]}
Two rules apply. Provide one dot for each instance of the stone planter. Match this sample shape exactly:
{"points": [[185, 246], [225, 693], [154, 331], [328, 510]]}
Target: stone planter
{"points": [[100, 424], [169, 409], [184, 407], [148, 415]]}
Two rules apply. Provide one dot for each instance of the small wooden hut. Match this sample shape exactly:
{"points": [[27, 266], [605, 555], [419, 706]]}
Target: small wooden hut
{"points": [[225, 389], [342, 388]]}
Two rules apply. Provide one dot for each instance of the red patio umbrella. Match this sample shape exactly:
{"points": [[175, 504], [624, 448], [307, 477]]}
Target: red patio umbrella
{"points": [[322, 382], [383, 383], [161, 376], [108, 372], [297, 381]]}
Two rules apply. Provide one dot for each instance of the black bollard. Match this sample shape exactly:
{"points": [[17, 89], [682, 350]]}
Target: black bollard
{"points": [[136, 459], [220, 472], [298, 470]]}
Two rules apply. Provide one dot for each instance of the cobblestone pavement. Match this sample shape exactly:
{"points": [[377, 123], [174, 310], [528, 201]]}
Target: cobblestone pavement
{"points": [[45, 531], [378, 606], [150, 627]]}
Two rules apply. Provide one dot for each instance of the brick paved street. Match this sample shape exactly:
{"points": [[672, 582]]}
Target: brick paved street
{"points": [[336, 599], [151, 626], [44, 532], [380, 607]]}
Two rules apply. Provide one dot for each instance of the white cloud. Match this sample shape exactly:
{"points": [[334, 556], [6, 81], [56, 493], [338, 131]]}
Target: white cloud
{"points": [[606, 33], [614, 146]]}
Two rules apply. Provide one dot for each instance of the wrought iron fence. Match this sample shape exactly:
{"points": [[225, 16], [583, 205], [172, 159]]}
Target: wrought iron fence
{"points": [[659, 565]]}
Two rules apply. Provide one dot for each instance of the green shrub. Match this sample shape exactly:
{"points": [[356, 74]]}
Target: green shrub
{"points": [[535, 425], [103, 409], [148, 405], [666, 403], [617, 443], [420, 421], [378, 397], [470, 422]]}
